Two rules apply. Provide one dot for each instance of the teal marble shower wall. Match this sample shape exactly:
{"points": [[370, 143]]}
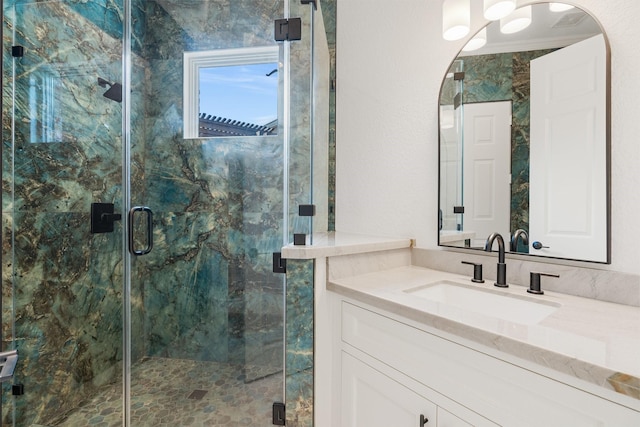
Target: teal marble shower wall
{"points": [[505, 77], [329, 15], [208, 289], [299, 343], [63, 285]]}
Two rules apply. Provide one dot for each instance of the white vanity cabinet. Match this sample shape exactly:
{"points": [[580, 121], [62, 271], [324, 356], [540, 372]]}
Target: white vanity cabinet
{"points": [[373, 399], [392, 372]]}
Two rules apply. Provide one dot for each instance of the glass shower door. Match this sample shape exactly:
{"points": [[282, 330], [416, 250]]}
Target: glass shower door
{"points": [[208, 128]]}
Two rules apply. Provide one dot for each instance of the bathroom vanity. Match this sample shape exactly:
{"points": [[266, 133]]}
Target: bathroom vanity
{"points": [[403, 345], [393, 371]]}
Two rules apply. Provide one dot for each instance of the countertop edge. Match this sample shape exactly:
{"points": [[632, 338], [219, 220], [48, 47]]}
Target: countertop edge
{"points": [[337, 244]]}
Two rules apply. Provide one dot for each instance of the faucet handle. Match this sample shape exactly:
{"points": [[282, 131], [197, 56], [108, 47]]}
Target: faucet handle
{"points": [[477, 271], [534, 282], [537, 245]]}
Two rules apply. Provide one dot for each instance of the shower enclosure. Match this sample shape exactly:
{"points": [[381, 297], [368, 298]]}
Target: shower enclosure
{"points": [[137, 263]]}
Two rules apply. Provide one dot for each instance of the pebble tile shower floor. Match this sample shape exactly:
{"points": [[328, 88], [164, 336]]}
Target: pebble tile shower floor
{"points": [[170, 392]]}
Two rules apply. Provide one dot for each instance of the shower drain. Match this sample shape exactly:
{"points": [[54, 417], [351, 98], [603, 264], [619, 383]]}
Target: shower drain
{"points": [[197, 394]]}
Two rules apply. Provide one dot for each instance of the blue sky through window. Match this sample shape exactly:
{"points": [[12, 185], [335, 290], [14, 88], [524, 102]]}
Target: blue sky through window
{"points": [[240, 92]]}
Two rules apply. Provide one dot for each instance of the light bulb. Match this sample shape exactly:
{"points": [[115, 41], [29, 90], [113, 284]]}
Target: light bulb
{"points": [[456, 19], [516, 21], [496, 9], [477, 41], [559, 7]]}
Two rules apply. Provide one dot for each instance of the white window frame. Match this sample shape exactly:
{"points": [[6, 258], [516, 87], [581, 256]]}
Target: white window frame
{"points": [[194, 61]]}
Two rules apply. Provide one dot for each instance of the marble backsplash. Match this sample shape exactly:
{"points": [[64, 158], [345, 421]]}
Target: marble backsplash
{"points": [[576, 278]]}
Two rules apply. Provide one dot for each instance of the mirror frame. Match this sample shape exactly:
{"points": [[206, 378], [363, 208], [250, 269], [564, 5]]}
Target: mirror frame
{"points": [[607, 142]]}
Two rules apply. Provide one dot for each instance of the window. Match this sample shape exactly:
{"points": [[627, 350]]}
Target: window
{"points": [[231, 92]]}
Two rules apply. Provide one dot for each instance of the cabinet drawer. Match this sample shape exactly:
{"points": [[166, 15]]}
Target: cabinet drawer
{"points": [[500, 391]]}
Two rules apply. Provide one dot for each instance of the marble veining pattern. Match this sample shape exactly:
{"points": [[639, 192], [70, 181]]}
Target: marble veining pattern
{"points": [[299, 347], [62, 286], [206, 292]]}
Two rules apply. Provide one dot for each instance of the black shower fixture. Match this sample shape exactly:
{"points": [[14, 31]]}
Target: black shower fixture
{"points": [[114, 92]]}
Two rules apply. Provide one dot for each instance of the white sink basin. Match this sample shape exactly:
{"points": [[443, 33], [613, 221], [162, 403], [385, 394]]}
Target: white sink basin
{"points": [[488, 302]]}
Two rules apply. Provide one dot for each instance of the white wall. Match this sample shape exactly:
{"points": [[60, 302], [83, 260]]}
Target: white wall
{"points": [[391, 59]]}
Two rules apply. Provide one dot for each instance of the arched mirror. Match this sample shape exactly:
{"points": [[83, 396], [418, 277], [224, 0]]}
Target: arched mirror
{"points": [[524, 138]]}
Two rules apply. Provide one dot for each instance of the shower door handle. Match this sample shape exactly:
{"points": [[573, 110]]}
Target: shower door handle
{"points": [[132, 215]]}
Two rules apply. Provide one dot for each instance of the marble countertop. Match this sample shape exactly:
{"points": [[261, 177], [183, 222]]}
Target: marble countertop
{"points": [[596, 341], [336, 244]]}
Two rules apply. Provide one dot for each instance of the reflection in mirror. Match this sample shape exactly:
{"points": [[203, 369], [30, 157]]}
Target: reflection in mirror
{"points": [[524, 139]]}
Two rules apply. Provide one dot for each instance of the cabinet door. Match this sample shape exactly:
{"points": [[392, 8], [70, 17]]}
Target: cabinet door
{"points": [[372, 399]]}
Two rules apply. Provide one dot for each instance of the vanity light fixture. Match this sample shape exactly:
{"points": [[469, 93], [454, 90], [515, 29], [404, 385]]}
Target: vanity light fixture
{"points": [[496, 9], [456, 19], [518, 20], [477, 41], [559, 7]]}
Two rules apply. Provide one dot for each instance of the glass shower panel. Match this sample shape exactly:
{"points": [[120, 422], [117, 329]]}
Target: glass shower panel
{"points": [[61, 152], [320, 110], [300, 154], [207, 309], [451, 150]]}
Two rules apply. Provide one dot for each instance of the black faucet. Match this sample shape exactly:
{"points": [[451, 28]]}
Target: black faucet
{"points": [[501, 281], [519, 234]]}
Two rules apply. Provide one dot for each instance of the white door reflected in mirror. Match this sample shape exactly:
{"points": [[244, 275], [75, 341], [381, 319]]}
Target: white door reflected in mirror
{"points": [[567, 209], [486, 171]]}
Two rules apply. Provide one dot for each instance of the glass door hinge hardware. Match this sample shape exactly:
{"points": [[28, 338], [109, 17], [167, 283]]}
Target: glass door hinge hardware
{"points": [[315, 4], [278, 414], [288, 29], [279, 263], [17, 51], [306, 210], [458, 209], [17, 389]]}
